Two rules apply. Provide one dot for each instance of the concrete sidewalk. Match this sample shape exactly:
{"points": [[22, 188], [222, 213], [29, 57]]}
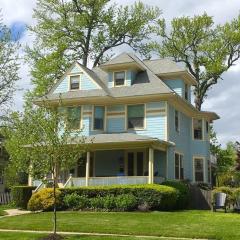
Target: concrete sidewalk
{"points": [[102, 234]]}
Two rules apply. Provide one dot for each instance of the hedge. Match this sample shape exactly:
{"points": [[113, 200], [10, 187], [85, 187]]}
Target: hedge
{"points": [[183, 196], [120, 197], [156, 196], [21, 195]]}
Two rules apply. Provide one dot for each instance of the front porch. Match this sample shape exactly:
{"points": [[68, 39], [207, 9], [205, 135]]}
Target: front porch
{"points": [[115, 159]]}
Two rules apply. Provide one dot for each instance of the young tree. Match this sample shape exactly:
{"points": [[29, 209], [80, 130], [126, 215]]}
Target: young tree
{"points": [[86, 30], [206, 49], [8, 65], [39, 143]]}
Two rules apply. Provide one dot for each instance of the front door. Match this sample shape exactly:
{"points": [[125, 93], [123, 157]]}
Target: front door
{"points": [[135, 163]]}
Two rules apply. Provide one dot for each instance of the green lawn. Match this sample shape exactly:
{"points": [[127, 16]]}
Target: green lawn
{"points": [[2, 208], [32, 236], [195, 224]]}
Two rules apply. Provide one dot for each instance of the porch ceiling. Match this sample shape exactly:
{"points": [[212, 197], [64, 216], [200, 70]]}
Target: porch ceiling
{"points": [[122, 141]]}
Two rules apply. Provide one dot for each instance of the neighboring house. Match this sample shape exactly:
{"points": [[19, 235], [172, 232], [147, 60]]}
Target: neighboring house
{"points": [[140, 120]]}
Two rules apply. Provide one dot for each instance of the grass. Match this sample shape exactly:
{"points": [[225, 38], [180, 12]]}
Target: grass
{"points": [[2, 208], [36, 236], [194, 224]]}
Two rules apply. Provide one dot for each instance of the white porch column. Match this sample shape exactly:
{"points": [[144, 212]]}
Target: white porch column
{"points": [[87, 168], [150, 165], [30, 179]]}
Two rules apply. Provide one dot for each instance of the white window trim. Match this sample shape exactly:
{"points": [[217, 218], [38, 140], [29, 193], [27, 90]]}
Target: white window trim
{"points": [[80, 80], [144, 120], [179, 153], [203, 129], [125, 78], [204, 167], [104, 120]]}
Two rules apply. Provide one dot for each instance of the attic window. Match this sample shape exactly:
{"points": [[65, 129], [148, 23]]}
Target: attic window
{"points": [[119, 78], [74, 82]]}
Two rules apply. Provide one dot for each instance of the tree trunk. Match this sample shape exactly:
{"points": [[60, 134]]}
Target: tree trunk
{"points": [[54, 200], [198, 99]]}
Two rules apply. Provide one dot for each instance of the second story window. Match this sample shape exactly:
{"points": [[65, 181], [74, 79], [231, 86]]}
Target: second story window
{"points": [[119, 78], [75, 82], [74, 118], [177, 121], [198, 129], [135, 116], [178, 166], [99, 113], [186, 92]]}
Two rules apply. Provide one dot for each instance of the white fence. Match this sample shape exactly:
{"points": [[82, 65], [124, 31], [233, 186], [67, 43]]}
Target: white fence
{"points": [[5, 198]]}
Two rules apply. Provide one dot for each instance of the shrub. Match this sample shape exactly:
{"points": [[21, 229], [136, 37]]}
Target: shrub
{"points": [[96, 203], [109, 202], [21, 195], [75, 202], [157, 197], [229, 191], [43, 200], [125, 202], [183, 194]]}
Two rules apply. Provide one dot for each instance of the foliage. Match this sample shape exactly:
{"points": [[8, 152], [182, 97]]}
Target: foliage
{"points": [[206, 49], [75, 202], [109, 202], [87, 30], [183, 195], [9, 64], [96, 203], [21, 195], [126, 202], [38, 143], [44, 200], [155, 196]]}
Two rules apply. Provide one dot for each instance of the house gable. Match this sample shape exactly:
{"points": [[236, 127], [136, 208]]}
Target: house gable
{"points": [[87, 82]]}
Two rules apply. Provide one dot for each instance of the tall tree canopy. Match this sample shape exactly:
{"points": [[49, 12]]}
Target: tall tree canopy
{"points": [[8, 65], [86, 30], [206, 49]]}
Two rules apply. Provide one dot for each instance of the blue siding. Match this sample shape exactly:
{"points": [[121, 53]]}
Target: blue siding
{"points": [[115, 125], [176, 85], [86, 82], [185, 145], [62, 87]]}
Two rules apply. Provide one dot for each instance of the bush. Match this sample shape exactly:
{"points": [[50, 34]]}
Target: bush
{"points": [[125, 202], [21, 195], [43, 200], [96, 203], [75, 202], [157, 197], [109, 202], [183, 194]]}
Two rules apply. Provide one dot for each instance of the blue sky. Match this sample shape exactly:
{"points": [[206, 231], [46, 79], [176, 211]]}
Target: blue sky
{"points": [[222, 98]]}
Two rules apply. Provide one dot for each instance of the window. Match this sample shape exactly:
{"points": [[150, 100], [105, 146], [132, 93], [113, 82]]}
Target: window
{"points": [[186, 91], [119, 78], [74, 118], [198, 170], [197, 128], [178, 166], [74, 82], [99, 112], [207, 127], [176, 120], [135, 115]]}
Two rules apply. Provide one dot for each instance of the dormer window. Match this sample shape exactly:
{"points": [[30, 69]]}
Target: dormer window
{"points": [[119, 78], [74, 82]]}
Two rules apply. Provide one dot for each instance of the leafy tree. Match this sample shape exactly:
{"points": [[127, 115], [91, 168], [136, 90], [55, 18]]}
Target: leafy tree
{"points": [[87, 30], [226, 163], [207, 50], [38, 143], [8, 65]]}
